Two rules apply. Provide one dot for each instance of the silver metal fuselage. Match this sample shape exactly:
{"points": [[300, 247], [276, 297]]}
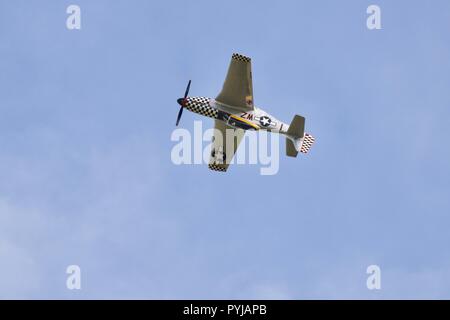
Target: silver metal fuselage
{"points": [[256, 119]]}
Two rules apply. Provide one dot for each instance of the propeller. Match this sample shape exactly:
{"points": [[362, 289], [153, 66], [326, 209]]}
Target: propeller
{"points": [[182, 102]]}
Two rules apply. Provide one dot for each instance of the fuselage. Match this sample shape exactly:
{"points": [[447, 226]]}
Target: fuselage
{"points": [[256, 119]]}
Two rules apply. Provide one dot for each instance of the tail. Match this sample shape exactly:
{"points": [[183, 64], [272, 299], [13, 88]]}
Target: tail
{"points": [[296, 139]]}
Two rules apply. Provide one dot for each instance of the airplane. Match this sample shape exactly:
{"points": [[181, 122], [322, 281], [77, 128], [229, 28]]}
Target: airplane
{"points": [[234, 109]]}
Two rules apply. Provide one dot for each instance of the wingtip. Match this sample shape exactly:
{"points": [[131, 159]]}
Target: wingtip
{"points": [[240, 57], [215, 167]]}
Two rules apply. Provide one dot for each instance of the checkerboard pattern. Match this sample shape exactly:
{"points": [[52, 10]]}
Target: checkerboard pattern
{"points": [[217, 167], [308, 141], [240, 57], [201, 106]]}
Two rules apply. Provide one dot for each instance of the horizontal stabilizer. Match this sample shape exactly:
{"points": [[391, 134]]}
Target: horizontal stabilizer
{"points": [[307, 143], [297, 127], [296, 145], [290, 148]]}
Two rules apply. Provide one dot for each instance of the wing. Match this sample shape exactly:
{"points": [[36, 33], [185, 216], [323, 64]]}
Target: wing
{"points": [[237, 91], [226, 140]]}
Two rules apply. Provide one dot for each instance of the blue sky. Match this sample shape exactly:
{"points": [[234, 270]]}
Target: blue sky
{"points": [[86, 176]]}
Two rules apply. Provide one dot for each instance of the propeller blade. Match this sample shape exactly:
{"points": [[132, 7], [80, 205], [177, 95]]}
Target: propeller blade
{"points": [[187, 89], [182, 101], [179, 115]]}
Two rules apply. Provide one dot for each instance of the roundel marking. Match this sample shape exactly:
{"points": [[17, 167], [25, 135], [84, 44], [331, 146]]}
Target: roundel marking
{"points": [[265, 121]]}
